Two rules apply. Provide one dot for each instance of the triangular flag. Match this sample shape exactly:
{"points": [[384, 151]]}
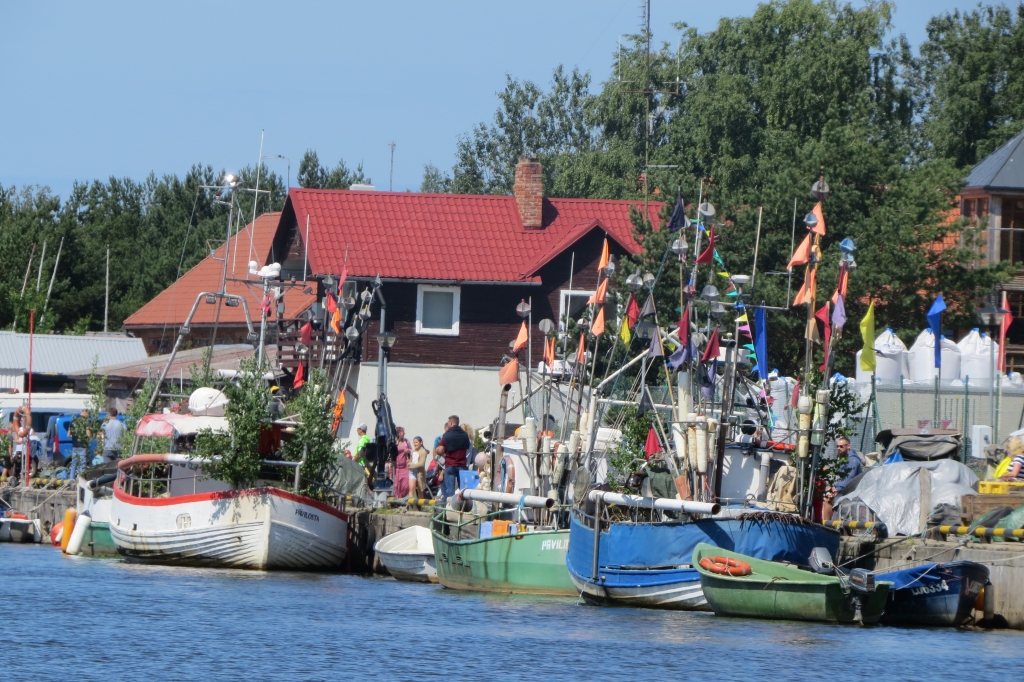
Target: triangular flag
{"points": [[597, 328], [549, 352], [867, 335], [742, 318], [521, 339], [802, 253], [336, 321], [822, 315], [935, 322], [744, 327], [712, 349], [265, 303], [342, 277], [761, 342], [645, 405], [653, 444], [839, 313], [1004, 327], [581, 352], [632, 311], [299, 379], [678, 220], [795, 396], [509, 374], [332, 305], [648, 309], [708, 255], [624, 332], [844, 282], [806, 294], [603, 262], [656, 350], [598, 296], [306, 333], [724, 274], [820, 227]]}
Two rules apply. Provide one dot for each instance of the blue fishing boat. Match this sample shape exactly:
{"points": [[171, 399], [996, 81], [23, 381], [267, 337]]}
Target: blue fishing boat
{"points": [[934, 594], [648, 564]]}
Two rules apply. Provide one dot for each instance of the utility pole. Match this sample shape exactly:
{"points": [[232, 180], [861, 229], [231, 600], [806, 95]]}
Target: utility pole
{"points": [[391, 177], [106, 294]]}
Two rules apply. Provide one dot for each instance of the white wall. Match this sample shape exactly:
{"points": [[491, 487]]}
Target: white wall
{"points": [[423, 396]]}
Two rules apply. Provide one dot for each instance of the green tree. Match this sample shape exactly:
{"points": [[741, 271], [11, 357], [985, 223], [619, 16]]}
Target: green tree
{"points": [[313, 175], [314, 437], [435, 181]]}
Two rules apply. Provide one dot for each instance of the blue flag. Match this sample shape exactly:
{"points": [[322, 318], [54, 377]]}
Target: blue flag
{"points": [[935, 322], [761, 342]]}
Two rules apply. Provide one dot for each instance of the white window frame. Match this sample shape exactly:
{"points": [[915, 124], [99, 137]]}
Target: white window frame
{"points": [[456, 303], [563, 299]]}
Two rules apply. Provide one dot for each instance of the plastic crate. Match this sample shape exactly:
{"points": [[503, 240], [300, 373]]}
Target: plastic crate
{"points": [[468, 479], [1000, 487]]}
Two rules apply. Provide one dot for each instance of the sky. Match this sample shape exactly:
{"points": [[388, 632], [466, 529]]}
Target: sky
{"points": [[102, 89]]}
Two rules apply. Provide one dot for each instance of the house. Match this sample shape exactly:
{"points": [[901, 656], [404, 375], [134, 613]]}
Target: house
{"points": [[157, 323], [55, 358], [993, 199], [454, 268]]}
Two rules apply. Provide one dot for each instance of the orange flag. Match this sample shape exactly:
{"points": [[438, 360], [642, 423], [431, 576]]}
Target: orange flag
{"points": [[598, 327], [803, 297], [802, 253], [336, 321], [581, 354], [820, 227], [602, 291], [549, 352], [509, 374], [299, 379], [524, 336], [603, 263]]}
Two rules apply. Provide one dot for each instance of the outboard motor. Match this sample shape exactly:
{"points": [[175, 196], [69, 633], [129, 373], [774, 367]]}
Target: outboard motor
{"points": [[820, 561]]}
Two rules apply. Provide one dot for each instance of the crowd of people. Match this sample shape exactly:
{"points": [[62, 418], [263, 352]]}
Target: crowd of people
{"points": [[44, 450]]}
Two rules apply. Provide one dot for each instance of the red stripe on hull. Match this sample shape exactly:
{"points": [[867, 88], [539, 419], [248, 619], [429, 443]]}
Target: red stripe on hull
{"points": [[225, 495]]}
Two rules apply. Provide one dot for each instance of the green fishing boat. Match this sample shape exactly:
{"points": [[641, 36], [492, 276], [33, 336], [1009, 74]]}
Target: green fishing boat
{"points": [[784, 592], [98, 541], [483, 553]]}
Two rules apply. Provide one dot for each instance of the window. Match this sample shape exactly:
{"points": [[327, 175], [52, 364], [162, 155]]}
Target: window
{"points": [[574, 301], [437, 310], [967, 211]]}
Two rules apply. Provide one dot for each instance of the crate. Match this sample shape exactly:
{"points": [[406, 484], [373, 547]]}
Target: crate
{"points": [[1000, 487], [974, 506], [499, 527], [468, 479]]}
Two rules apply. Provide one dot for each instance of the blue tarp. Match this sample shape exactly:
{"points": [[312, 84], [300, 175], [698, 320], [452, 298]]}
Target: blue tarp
{"points": [[922, 575]]}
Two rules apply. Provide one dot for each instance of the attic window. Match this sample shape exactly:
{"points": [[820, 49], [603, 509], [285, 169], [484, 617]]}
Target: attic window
{"points": [[437, 310]]}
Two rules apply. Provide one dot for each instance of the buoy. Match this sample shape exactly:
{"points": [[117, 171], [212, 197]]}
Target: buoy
{"points": [[69, 522], [78, 535], [725, 566], [57, 534]]}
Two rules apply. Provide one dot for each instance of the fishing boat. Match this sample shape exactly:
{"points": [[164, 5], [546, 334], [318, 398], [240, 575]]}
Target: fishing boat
{"points": [[505, 550], [163, 511], [94, 498], [934, 594], [408, 555], [738, 585], [646, 562]]}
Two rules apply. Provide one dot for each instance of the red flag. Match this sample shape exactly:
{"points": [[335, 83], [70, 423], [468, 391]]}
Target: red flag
{"points": [[653, 444], [708, 256], [603, 262], [599, 295], [581, 354], [298, 381], [822, 315], [598, 327], [342, 277], [796, 395], [802, 253], [332, 305], [712, 349], [1003, 328], [521, 340], [509, 374], [265, 303], [306, 333], [632, 311]]}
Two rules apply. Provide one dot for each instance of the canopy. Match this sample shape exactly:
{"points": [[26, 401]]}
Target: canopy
{"points": [[167, 425]]}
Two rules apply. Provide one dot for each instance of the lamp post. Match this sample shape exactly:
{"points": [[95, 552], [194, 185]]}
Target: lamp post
{"points": [[385, 340], [525, 311], [991, 316]]}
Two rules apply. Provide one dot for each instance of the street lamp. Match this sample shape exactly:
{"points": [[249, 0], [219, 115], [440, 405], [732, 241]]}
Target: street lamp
{"points": [[820, 190], [634, 282], [386, 340], [609, 269], [709, 293]]}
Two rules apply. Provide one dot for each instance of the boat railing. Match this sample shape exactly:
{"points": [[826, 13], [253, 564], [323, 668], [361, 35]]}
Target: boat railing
{"points": [[466, 524]]}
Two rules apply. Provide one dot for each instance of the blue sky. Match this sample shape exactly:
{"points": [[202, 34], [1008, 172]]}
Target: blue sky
{"points": [[124, 88]]}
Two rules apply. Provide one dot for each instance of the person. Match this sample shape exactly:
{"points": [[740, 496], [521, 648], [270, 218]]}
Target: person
{"points": [[81, 435], [472, 451], [853, 468], [454, 444], [1016, 470], [418, 469], [7, 463], [361, 442], [113, 431], [401, 477], [22, 439]]}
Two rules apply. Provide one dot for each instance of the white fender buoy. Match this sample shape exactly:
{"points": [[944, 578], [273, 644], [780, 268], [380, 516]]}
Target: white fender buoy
{"points": [[78, 535]]}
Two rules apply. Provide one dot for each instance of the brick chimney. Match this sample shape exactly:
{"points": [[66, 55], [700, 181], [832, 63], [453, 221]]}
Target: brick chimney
{"points": [[529, 192]]}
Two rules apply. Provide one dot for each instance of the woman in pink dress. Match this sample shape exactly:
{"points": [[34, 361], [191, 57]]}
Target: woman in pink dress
{"points": [[401, 475]]}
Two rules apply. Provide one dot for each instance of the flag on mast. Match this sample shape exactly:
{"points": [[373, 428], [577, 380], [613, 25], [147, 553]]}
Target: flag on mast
{"points": [[867, 335], [603, 262]]}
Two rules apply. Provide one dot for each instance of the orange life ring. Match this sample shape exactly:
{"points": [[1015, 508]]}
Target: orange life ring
{"points": [[725, 566]]}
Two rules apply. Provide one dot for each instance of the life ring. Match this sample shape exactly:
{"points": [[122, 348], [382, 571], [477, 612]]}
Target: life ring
{"points": [[725, 566]]}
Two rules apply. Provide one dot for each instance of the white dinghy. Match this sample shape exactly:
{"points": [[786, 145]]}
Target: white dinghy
{"points": [[408, 555]]}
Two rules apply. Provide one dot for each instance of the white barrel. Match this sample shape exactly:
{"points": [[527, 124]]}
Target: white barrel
{"points": [[78, 534], [702, 447], [475, 495], [691, 440], [679, 441], [663, 503]]}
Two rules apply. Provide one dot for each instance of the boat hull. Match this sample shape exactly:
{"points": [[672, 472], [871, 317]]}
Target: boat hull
{"points": [[648, 565], [257, 528], [20, 530], [940, 595], [408, 555], [98, 541], [528, 563], [782, 592]]}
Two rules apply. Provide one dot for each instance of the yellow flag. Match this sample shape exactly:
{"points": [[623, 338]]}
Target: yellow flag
{"points": [[867, 334], [742, 318], [624, 332]]}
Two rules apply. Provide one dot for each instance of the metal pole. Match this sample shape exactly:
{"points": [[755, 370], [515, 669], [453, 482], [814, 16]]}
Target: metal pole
{"points": [[106, 293], [381, 370], [992, 382], [26, 448], [529, 354], [967, 399], [263, 324], [903, 421], [597, 540], [757, 246]]}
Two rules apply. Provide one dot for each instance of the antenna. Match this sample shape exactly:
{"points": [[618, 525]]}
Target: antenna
{"points": [[391, 178]]}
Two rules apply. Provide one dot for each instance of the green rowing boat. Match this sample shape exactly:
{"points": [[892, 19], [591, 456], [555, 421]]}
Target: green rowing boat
{"points": [[785, 592], [528, 561]]}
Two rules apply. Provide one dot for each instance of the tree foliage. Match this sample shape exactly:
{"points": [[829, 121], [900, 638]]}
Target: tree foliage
{"points": [[313, 175], [314, 437]]}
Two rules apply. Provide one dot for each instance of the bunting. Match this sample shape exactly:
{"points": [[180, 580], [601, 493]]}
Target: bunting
{"points": [[708, 255], [802, 253]]}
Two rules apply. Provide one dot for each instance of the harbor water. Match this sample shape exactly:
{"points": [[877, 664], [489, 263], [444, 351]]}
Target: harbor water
{"points": [[99, 619]]}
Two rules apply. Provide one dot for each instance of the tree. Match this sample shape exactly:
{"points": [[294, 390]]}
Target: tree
{"points": [[435, 181], [314, 437], [312, 175]]}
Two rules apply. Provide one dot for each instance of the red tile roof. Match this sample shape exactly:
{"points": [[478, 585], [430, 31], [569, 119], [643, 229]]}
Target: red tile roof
{"points": [[470, 238], [172, 305]]}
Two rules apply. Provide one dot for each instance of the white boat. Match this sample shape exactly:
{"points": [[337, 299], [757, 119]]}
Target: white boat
{"points": [[178, 517], [408, 555], [20, 530]]}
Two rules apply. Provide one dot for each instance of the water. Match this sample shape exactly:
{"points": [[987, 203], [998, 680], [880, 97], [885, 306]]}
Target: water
{"points": [[102, 619]]}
